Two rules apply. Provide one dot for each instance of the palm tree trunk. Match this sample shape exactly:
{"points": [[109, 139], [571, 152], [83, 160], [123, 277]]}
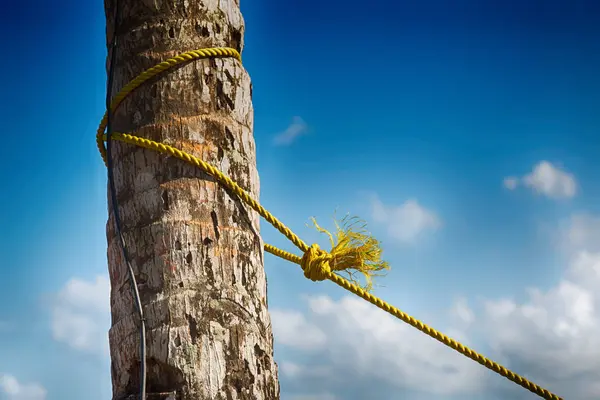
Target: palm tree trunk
{"points": [[195, 250]]}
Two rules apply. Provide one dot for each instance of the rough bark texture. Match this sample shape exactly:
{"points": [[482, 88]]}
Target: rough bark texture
{"points": [[195, 249]]}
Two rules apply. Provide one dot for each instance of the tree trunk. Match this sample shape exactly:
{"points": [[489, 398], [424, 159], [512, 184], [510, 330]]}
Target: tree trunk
{"points": [[195, 249]]}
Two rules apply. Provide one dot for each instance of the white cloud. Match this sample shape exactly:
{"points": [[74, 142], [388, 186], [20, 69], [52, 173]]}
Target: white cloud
{"points": [[12, 389], [546, 179], [81, 315], [511, 182], [363, 344], [580, 232], [295, 331], [462, 311], [319, 396], [290, 369], [553, 336], [293, 370], [406, 222], [296, 129]]}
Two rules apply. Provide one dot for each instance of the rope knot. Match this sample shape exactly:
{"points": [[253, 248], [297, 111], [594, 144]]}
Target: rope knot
{"points": [[353, 250], [315, 263]]}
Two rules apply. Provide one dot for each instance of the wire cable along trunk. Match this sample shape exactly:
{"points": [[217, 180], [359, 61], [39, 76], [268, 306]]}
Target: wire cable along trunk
{"points": [[115, 207]]}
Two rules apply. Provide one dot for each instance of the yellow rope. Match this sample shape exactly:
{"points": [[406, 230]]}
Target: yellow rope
{"points": [[353, 249]]}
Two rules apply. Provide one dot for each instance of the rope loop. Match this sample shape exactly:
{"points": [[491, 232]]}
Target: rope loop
{"points": [[315, 263]]}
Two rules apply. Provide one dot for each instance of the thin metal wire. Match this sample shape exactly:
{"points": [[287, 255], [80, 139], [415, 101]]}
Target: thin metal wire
{"points": [[115, 207]]}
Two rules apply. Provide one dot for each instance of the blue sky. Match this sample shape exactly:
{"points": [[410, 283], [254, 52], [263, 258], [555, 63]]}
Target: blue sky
{"points": [[464, 133]]}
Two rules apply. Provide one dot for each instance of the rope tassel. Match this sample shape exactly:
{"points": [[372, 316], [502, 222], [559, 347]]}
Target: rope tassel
{"points": [[353, 249]]}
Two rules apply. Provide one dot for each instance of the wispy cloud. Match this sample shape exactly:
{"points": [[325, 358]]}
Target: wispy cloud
{"points": [[557, 326], [511, 182], [294, 330], [319, 396], [462, 312], [12, 389], [546, 179], [361, 343], [296, 129], [81, 315], [405, 222], [581, 232]]}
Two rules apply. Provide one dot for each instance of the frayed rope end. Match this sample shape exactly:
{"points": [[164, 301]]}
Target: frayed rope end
{"points": [[353, 250]]}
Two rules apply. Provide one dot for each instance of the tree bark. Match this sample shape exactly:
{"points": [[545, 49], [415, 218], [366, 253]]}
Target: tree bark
{"points": [[196, 250]]}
